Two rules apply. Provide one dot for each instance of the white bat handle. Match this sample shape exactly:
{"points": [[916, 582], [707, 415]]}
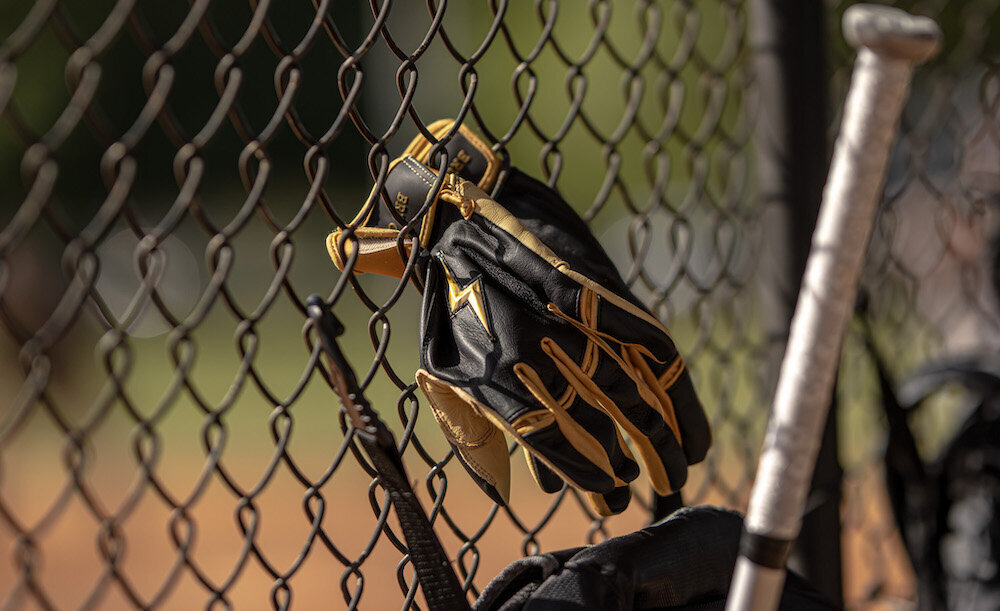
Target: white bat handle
{"points": [[890, 43]]}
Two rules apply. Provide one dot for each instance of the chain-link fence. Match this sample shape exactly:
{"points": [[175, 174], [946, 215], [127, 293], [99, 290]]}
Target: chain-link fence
{"points": [[168, 174]]}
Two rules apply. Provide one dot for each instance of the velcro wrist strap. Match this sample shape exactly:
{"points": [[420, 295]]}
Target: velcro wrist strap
{"points": [[406, 187], [408, 182], [469, 156]]}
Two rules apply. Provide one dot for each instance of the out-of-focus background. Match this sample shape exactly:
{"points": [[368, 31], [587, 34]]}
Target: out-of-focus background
{"points": [[168, 174]]}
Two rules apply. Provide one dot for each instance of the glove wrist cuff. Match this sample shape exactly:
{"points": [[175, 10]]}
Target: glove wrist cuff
{"points": [[409, 181]]}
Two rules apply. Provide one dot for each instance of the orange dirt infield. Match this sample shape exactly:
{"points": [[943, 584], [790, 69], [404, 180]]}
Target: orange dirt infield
{"points": [[72, 571]]}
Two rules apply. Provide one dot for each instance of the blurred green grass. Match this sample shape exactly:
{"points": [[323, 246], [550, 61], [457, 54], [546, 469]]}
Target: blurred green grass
{"points": [[280, 358]]}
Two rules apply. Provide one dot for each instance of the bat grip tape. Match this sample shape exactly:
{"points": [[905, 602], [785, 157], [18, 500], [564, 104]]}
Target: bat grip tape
{"points": [[762, 550]]}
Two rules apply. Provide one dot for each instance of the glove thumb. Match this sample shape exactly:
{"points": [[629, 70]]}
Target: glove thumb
{"points": [[479, 444]]}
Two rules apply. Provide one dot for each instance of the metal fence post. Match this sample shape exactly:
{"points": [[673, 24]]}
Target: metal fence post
{"points": [[789, 48]]}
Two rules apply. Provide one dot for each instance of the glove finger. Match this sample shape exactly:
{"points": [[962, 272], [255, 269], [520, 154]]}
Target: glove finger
{"points": [[578, 442], [606, 316], [659, 449], [547, 479], [480, 445], [622, 461], [608, 504], [669, 394], [490, 490], [589, 310], [611, 503], [678, 403], [644, 416]]}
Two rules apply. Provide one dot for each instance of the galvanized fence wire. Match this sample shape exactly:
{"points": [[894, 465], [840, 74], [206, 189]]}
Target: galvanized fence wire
{"points": [[165, 437]]}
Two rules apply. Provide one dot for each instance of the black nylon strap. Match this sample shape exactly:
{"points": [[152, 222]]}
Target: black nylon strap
{"points": [[430, 562], [441, 587], [768, 552]]}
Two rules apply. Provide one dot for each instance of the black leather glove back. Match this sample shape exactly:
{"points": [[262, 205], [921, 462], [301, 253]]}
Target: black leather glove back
{"points": [[528, 328], [515, 338], [544, 213]]}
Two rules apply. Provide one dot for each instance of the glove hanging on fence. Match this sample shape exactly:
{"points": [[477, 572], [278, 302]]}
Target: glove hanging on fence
{"points": [[527, 328]]}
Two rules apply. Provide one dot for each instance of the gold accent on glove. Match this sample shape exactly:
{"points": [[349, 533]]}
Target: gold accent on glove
{"points": [[470, 295]]}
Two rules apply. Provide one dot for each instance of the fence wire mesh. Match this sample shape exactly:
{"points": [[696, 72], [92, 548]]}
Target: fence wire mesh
{"points": [[169, 173]]}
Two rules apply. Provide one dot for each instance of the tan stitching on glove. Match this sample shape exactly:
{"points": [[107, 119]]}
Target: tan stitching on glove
{"points": [[532, 421], [665, 404], [581, 439], [673, 372], [597, 398], [412, 165]]}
